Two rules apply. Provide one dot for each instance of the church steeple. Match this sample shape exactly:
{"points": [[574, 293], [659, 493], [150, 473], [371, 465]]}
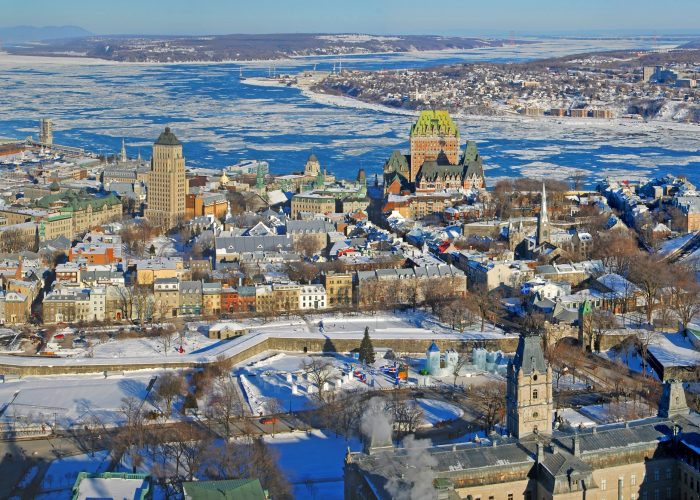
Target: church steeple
{"points": [[543, 230], [123, 153]]}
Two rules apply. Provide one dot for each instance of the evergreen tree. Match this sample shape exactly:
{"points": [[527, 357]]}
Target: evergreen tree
{"points": [[152, 250], [366, 348]]}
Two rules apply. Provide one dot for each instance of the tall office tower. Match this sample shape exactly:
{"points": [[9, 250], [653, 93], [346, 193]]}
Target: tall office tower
{"points": [[433, 133], [46, 131], [166, 184]]}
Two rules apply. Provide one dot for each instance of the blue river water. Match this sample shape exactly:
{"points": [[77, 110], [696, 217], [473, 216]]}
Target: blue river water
{"points": [[222, 120]]}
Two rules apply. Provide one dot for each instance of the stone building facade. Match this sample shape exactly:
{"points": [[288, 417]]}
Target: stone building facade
{"points": [[656, 458], [166, 185]]}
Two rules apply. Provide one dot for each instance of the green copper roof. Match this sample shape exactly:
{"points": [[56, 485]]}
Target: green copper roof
{"points": [[228, 489], [397, 162], [472, 161], [77, 200], [167, 138], [435, 122]]}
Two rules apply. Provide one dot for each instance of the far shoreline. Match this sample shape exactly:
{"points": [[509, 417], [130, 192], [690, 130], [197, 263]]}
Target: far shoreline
{"points": [[349, 102]]}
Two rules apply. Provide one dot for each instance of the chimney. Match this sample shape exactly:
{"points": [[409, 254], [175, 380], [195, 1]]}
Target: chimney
{"points": [[577, 446], [540, 452]]}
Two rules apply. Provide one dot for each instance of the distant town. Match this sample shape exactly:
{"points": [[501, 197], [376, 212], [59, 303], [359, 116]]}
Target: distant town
{"points": [[173, 329], [640, 85]]}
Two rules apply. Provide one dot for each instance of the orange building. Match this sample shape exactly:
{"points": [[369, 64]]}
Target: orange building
{"points": [[433, 133], [98, 249], [203, 204], [238, 300]]}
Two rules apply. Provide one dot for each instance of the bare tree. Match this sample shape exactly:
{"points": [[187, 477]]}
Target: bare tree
{"points": [[319, 370], [168, 387], [405, 414], [489, 400], [685, 296], [226, 404], [618, 250], [142, 296], [164, 338], [485, 302], [650, 275], [645, 338], [462, 360]]}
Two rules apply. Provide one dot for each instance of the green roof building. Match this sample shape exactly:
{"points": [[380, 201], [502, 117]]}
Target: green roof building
{"points": [[227, 489]]}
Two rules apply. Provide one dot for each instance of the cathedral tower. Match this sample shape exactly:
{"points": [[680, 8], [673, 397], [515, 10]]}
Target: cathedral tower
{"points": [[529, 400]]}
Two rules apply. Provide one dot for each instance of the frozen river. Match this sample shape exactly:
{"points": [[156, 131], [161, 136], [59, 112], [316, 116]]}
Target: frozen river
{"points": [[222, 120]]}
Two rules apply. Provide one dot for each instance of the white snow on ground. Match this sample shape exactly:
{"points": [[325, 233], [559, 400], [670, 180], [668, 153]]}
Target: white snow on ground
{"points": [[70, 400], [674, 244], [435, 411], [617, 411], [674, 349], [570, 383], [164, 246], [632, 360], [574, 418], [255, 399], [265, 378], [381, 326], [150, 347], [313, 456], [62, 473]]}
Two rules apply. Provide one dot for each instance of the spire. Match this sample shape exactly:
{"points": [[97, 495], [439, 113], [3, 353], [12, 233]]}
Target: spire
{"points": [[123, 154], [543, 211], [139, 155], [543, 220]]}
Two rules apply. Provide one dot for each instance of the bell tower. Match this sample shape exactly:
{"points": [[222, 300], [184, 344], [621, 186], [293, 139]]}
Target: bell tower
{"points": [[529, 400]]}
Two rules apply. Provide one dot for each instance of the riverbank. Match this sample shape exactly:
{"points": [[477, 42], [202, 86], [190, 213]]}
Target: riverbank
{"points": [[619, 124]]}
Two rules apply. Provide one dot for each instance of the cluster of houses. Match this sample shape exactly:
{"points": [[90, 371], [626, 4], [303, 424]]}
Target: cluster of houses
{"points": [[676, 199]]}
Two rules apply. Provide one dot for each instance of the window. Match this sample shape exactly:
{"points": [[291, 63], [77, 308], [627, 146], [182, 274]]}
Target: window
{"points": [[534, 394], [603, 484], [669, 473], [656, 475], [633, 480], [510, 496]]}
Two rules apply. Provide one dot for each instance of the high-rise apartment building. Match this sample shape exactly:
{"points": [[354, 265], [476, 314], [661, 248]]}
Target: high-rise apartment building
{"points": [[433, 133], [46, 131], [166, 185]]}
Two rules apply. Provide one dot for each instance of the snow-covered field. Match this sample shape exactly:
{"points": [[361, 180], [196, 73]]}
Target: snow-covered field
{"points": [[62, 473], [313, 462], [149, 347], [199, 348], [435, 411], [281, 377], [70, 400]]}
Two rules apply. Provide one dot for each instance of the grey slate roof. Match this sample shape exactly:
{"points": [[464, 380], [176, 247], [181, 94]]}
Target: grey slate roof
{"points": [[240, 244], [529, 356]]}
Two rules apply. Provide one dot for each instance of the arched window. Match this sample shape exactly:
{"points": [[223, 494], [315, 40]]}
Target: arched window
{"points": [[534, 394]]}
